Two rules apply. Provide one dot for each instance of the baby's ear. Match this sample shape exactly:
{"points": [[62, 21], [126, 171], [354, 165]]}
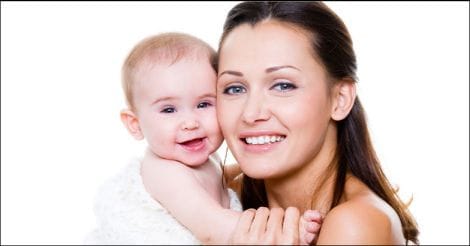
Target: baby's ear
{"points": [[344, 95], [131, 122]]}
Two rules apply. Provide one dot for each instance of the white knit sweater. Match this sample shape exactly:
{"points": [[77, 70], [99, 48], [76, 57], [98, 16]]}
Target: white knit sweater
{"points": [[127, 214]]}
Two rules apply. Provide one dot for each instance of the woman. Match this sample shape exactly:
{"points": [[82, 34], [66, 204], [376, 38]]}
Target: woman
{"points": [[288, 109]]}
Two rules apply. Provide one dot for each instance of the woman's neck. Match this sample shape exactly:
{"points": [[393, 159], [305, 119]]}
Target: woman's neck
{"points": [[310, 187]]}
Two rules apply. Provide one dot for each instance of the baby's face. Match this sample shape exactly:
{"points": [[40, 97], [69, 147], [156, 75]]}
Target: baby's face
{"points": [[176, 109]]}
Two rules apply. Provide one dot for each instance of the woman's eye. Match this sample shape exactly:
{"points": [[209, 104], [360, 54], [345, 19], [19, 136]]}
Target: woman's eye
{"points": [[204, 105], [284, 86], [168, 110], [235, 89]]}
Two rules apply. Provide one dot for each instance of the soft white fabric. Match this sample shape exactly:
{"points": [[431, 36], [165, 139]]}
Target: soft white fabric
{"points": [[127, 214]]}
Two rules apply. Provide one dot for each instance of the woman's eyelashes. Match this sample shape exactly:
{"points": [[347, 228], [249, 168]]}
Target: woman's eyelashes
{"points": [[283, 86], [234, 90]]}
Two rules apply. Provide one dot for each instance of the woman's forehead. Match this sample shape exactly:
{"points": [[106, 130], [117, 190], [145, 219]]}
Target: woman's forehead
{"points": [[269, 30], [269, 43]]}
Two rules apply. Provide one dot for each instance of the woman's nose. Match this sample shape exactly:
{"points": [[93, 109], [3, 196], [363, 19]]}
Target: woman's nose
{"points": [[255, 110]]}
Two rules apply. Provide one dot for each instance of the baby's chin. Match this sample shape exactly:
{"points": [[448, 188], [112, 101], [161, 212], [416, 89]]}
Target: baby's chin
{"points": [[196, 161]]}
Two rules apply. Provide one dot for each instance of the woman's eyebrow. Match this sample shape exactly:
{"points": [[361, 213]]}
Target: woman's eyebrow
{"points": [[268, 70], [235, 73], [273, 69]]}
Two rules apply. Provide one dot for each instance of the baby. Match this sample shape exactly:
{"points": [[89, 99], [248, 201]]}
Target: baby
{"points": [[175, 194]]}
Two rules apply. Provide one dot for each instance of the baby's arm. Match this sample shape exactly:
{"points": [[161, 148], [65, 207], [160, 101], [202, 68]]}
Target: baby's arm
{"points": [[176, 188]]}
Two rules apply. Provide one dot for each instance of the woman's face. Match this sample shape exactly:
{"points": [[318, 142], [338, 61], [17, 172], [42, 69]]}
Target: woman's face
{"points": [[273, 101]]}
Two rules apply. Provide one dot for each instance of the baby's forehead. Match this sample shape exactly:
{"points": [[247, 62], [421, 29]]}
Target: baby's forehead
{"points": [[174, 54], [193, 73], [155, 59], [168, 67]]}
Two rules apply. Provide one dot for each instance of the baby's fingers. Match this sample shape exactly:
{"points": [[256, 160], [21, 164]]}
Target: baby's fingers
{"points": [[308, 231], [311, 223], [313, 215], [309, 238], [313, 227]]}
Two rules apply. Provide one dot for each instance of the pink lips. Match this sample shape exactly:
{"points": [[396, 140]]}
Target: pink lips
{"points": [[194, 144], [259, 148]]}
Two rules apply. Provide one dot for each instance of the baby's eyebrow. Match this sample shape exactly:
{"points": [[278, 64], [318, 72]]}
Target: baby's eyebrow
{"points": [[207, 95], [161, 99]]}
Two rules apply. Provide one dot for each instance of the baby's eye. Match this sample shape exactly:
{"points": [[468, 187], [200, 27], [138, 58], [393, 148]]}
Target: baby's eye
{"points": [[204, 105], [284, 86], [168, 110], [234, 89]]}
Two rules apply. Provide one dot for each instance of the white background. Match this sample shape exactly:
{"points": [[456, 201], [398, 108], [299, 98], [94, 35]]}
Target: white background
{"points": [[60, 99]]}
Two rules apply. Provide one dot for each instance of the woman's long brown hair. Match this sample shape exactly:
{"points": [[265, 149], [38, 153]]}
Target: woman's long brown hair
{"points": [[332, 44]]}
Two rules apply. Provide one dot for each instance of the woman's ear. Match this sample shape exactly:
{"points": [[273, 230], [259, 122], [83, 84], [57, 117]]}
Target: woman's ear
{"points": [[131, 122], [344, 95]]}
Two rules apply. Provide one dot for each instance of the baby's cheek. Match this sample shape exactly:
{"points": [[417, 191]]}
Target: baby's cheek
{"points": [[215, 132]]}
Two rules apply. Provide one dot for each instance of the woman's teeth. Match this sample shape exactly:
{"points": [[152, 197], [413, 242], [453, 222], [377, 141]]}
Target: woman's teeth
{"points": [[263, 139]]}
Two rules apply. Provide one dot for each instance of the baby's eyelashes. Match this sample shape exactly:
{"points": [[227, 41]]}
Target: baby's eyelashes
{"points": [[168, 110]]}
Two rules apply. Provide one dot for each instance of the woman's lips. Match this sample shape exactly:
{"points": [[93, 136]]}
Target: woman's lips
{"points": [[264, 139], [262, 143]]}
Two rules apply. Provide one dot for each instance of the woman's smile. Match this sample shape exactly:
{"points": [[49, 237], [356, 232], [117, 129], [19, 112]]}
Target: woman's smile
{"points": [[261, 141]]}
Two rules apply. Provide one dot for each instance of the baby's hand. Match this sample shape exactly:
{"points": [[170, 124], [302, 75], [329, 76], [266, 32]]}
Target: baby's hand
{"points": [[309, 227]]}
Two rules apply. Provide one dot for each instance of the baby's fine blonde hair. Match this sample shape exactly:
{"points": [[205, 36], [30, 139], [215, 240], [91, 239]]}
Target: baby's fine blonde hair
{"points": [[162, 48]]}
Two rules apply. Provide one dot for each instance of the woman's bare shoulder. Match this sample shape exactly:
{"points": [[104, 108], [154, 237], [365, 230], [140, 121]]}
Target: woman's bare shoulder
{"points": [[365, 219]]}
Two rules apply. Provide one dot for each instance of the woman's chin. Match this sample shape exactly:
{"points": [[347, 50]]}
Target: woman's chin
{"points": [[258, 173]]}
